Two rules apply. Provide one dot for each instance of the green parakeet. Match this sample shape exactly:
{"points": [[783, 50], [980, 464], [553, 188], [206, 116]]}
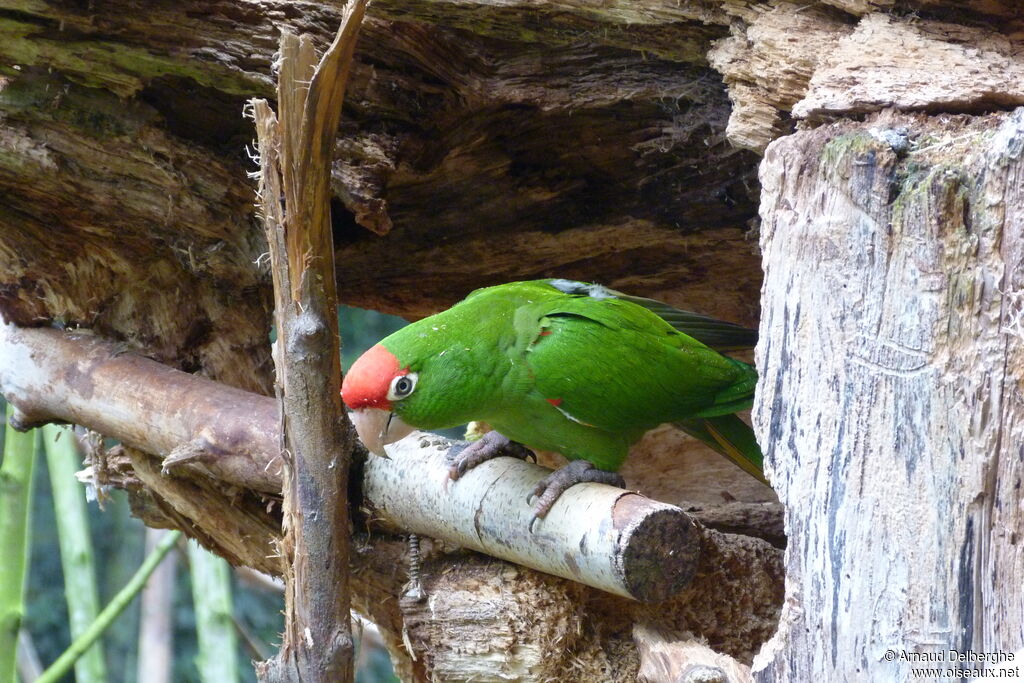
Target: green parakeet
{"points": [[562, 366]]}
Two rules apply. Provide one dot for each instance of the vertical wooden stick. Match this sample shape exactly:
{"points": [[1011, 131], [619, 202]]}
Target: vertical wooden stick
{"points": [[295, 156]]}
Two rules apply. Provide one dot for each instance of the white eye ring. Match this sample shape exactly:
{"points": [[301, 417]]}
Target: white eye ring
{"points": [[402, 386]]}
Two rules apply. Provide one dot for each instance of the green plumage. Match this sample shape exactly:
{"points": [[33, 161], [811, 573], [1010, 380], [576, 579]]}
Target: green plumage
{"points": [[579, 369]]}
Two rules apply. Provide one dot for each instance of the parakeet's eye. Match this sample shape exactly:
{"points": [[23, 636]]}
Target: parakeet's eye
{"points": [[402, 386]]}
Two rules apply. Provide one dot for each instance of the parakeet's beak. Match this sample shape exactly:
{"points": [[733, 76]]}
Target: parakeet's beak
{"points": [[378, 427]]}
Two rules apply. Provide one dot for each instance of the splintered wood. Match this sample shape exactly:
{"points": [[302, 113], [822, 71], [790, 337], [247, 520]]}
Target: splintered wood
{"points": [[316, 441]]}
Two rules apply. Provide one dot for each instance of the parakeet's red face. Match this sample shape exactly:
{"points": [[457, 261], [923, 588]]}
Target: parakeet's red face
{"points": [[374, 382], [369, 380]]}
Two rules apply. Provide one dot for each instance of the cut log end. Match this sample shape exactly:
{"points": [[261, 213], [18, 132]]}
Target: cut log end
{"points": [[595, 534], [658, 548]]}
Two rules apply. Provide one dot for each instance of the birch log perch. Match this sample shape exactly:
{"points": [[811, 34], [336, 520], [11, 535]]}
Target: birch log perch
{"points": [[600, 536], [892, 356]]}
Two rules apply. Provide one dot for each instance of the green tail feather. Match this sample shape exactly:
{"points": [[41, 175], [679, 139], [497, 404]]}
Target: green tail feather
{"points": [[730, 436]]}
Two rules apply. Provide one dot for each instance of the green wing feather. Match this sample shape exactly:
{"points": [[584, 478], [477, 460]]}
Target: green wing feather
{"points": [[614, 365], [703, 372], [717, 334], [617, 366]]}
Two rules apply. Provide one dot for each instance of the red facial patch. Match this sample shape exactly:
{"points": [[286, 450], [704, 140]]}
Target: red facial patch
{"points": [[367, 382], [554, 401]]}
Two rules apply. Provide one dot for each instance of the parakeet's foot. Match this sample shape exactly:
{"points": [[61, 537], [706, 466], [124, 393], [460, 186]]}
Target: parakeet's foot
{"points": [[551, 487], [464, 457]]}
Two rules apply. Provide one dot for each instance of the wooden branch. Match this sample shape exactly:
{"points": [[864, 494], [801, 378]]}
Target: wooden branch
{"points": [[78, 378], [316, 439], [620, 542]]}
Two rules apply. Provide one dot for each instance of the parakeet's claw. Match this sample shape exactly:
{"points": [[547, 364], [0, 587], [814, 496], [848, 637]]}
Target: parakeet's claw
{"points": [[551, 487], [464, 457]]}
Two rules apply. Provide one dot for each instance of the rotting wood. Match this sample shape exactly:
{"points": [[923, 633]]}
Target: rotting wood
{"points": [[894, 260], [680, 658], [507, 141], [316, 439], [508, 122]]}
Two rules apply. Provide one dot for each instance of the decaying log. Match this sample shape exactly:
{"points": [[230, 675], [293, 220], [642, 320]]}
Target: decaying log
{"points": [[949, 57], [894, 262], [599, 154], [500, 622], [762, 520], [732, 600], [683, 659]]}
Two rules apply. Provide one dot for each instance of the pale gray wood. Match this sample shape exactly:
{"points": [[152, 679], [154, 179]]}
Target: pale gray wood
{"points": [[890, 403]]}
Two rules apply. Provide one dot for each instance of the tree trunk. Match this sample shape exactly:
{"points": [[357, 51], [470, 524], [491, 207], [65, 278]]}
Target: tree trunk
{"points": [[890, 401]]}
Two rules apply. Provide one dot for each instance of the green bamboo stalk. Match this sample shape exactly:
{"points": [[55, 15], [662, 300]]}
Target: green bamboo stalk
{"points": [[15, 503], [75, 546], [155, 635], [215, 627], [117, 605]]}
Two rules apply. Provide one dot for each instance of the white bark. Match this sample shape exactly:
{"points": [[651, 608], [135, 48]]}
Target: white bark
{"points": [[598, 535], [889, 404]]}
